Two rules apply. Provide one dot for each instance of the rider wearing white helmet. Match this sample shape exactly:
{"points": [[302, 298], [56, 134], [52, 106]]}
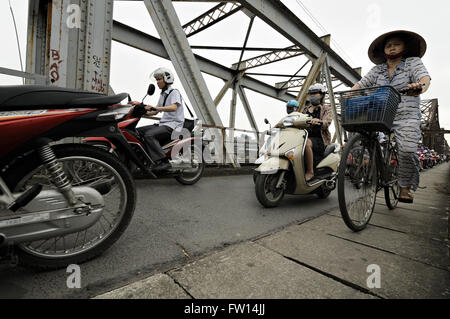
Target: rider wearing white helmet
{"points": [[172, 106], [319, 136]]}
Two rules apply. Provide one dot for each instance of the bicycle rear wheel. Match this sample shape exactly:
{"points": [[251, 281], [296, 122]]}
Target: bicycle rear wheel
{"points": [[357, 183]]}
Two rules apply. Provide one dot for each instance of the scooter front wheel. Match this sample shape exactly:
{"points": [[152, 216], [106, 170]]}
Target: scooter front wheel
{"points": [[266, 191]]}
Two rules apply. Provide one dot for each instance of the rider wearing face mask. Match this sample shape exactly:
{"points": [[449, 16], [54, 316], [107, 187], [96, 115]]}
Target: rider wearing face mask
{"points": [[292, 106], [319, 135]]}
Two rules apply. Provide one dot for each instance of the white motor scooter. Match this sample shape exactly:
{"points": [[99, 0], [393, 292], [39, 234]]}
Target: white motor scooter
{"points": [[282, 168]]}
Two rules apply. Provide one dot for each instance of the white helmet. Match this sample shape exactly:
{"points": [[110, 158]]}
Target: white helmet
{"points": [[317, 88], [164, 73]]}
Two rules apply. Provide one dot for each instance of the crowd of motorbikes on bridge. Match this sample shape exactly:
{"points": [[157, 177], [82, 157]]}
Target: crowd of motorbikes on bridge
{"points": [[429, 158]]}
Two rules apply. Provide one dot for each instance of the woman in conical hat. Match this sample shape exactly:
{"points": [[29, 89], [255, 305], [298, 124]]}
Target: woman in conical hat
{"points": [[397, 56]]}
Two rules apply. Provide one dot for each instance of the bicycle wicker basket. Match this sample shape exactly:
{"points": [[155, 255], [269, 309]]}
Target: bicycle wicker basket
{"points": [[371, 109]]}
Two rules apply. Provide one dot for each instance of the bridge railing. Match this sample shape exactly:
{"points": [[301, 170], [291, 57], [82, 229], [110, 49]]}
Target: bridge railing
{"points": [[226, 147]]}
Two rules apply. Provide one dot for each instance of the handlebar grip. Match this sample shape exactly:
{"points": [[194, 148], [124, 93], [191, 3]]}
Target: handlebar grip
{"points": [[406, 90], [318, 124], [139, 110]]}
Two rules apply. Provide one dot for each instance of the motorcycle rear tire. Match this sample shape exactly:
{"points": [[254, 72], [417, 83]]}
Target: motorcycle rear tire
{"points": [[22, 167], [323, 192], [183, 179]]}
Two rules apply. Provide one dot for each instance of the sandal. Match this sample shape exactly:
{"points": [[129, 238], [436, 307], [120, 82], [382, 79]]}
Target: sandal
{"points": [[406, 197]]}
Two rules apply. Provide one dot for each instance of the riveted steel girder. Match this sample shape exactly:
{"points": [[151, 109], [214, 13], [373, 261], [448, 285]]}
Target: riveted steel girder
{"points": [[211, 17], [279, 17], [142, 41], [175, 41], [290, 84], [268, 58], [247, 108], [69, 41]]}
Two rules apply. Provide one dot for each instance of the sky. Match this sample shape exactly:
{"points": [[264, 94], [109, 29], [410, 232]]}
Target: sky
{"points": [[353, 25]]}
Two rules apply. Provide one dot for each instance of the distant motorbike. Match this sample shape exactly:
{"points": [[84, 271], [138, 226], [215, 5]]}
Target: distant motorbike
{"points": [[185, 154], [63, 203], [421, 160], [282, 167]]}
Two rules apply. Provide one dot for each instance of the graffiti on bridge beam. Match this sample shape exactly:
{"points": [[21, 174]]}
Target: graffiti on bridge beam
{"points": [[54, 68]]}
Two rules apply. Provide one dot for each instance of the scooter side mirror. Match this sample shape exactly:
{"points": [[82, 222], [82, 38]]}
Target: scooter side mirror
{"points": [[266, 121], [151, 89]]}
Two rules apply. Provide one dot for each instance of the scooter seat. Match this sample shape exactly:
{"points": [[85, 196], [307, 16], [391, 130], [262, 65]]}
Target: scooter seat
{"points": [[330, 149], [34, 97]]}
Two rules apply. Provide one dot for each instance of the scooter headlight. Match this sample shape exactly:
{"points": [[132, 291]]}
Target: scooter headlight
{"points": [[262, 159], [290, 154], [289, 121]]}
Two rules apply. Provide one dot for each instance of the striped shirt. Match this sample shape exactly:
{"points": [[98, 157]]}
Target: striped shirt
{"points": [[409, 70]]}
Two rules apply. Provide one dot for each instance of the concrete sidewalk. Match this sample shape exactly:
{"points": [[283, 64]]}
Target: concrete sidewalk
{"points": [[402, 254]]}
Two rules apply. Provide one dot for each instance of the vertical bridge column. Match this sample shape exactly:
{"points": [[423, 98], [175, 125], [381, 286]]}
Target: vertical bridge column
{"points": [[69, 41], [175, 41]]}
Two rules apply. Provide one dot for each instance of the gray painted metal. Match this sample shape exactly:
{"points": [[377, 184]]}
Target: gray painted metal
{"points": [[223, 91], [247, 108], [268, 58], [233, 107], [98, 37], [337, 123], [279, 17], [36, 78], [290, 84], [174, 39], [211, 17], [142, 41], [222, 48], [70, 42], [36, 38]]}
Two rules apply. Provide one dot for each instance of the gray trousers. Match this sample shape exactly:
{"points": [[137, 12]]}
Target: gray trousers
{"points": [[407, 137], [153, 135]]}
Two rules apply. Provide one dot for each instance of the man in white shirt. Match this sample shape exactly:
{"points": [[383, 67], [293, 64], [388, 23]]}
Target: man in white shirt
{"points": [[172, 105]]}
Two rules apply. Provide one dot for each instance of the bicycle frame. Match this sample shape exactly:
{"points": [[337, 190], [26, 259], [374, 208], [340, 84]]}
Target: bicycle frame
{"points": [[383, 158]]}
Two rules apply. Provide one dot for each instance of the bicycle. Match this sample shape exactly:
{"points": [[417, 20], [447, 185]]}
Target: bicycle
{"points": [[367, 164]]}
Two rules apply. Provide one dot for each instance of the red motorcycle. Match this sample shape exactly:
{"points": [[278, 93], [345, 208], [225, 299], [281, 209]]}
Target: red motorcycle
{"points": [[61, 203], [185, 151]]}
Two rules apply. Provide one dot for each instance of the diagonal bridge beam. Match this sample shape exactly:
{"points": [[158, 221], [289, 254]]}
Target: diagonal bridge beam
{"points": [[211, 17]]}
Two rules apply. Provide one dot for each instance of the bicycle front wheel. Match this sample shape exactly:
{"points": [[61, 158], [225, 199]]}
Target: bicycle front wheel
{"points": [[357, 183], [392, 190]]}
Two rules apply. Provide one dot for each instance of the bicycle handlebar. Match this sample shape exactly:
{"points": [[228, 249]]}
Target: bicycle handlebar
{"points": [[407, 90]]}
